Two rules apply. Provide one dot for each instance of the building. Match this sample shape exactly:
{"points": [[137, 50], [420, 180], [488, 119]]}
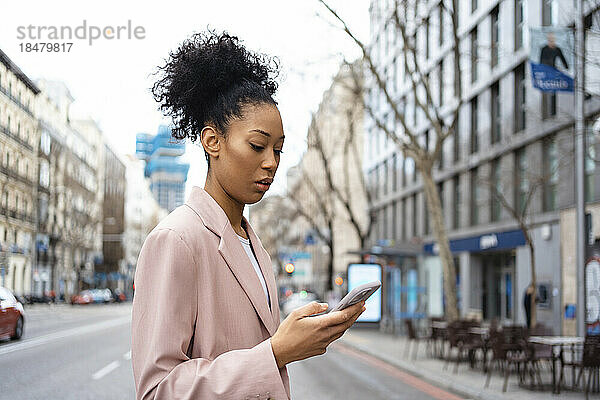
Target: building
{"points": [[336, 129], [70, 234], [507, 132], [108, 273], [142, 214], [166, 172], [19, 141]]}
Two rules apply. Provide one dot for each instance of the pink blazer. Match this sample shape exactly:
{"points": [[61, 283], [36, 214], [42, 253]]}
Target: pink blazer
{"points": [[201, 325]]}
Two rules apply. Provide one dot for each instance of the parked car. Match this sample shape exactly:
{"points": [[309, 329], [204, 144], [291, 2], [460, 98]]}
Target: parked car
{"points": [[85, 297], [12, 315], [119, 296], [298, 300]]}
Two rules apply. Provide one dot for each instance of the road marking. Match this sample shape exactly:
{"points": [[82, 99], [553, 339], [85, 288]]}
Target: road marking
{"points": [[51, 337], [127, 356], [106, 370], [410, 380]]}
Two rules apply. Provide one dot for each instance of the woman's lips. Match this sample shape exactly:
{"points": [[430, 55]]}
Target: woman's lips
{"points": [[262, 186]]}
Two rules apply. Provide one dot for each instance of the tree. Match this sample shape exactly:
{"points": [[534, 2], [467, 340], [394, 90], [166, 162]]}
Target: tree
{"points": [[406, 20], [332, 181]]}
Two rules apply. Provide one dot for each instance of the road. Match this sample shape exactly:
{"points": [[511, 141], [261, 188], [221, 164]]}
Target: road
{"points": [[83, 353]]}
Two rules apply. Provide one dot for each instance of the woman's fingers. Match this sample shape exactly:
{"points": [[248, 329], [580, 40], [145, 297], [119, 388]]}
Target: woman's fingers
{"points": [[339, 317]]}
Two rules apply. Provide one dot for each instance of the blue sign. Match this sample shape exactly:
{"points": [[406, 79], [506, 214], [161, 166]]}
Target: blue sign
{"points": [[489, 241], [548, 79], [309, 240]]}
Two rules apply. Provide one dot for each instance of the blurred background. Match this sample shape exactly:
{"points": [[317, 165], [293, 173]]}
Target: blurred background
{"points": [[447, 148]]}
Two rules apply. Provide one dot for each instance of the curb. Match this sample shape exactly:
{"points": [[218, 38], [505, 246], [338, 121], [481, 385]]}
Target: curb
{"points": [[444, 383]]}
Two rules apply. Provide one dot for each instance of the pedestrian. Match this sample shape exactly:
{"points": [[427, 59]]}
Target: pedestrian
{"points": [[205, 320], [527, 303]]}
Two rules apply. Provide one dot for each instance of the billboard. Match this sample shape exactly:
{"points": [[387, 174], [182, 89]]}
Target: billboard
{"points": [[357, 274], [551, 59]]}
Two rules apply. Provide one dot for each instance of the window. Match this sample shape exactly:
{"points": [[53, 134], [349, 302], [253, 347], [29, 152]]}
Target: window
{"points": [[385, 181], [441, 83], [548, 105], [414, 214], [495, 37], [550, 165], [519, 23], [474, 126], [474, 197], [521, 182], [520, 98], [441, 26], [548, 10], [394, 220], [473, 5], [385, 222], [496, 189], [590, 165], [456, 143], [426, 229], [474, 54], [456, 202], [409, 167], [394, 173], [427, 32], [496, 122]]}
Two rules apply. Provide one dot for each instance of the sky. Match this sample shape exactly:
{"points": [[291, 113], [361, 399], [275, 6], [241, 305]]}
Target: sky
{"points": [[110, 79]]}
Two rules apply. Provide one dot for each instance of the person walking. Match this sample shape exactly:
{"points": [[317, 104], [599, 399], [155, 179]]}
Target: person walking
{"points": [[205, 320]]}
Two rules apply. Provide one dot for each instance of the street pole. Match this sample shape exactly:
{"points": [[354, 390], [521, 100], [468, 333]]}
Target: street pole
{"points": [[579, 169]]}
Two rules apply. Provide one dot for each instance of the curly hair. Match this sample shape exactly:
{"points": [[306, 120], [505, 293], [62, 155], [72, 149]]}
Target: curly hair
{"points": [[209, 79]]}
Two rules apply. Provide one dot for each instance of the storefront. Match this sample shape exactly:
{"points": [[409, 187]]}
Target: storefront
{"points": [[494, 270], [403, 294]]}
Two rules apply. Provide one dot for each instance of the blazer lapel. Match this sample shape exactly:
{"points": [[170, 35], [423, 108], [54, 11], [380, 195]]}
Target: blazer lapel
{"points": [[266, 267], [236, 258], [230, 248]]}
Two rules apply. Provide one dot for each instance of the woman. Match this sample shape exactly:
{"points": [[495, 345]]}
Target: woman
{"points": [[205, 317]]}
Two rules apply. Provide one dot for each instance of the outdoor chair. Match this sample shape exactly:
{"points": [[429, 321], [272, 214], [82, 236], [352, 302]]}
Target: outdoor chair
{"points": [[413, 337], [509, 350], [437, 337], [460, 339], [590, 361]]}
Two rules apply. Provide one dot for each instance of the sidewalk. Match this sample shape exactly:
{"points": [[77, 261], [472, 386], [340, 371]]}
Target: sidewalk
{"points": [[467, 382]]}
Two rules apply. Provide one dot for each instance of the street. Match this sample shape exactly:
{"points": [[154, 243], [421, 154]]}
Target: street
{"points": [[83, 353]]}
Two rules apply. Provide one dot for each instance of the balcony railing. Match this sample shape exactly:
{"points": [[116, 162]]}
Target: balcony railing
{"points": [[14, 137], [12, 174], [15, 100]]}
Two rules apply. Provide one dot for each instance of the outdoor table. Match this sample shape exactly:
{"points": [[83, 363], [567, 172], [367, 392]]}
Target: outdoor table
{"points": [[556, 341], [439, 324], [480, 330]]}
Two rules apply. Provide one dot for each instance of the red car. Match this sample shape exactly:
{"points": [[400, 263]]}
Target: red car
{"points": [[12, 315]]}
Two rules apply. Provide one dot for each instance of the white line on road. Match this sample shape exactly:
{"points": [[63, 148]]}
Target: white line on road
{"points": [[51, 337], [127, 356], [106, 370]]}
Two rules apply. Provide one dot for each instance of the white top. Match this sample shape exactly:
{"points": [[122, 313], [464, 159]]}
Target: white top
{"points": [[246, 246]]}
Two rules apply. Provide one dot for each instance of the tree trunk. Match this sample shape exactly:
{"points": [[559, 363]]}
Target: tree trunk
{"points": [[439, 227], [331, 258], [533, 282]]}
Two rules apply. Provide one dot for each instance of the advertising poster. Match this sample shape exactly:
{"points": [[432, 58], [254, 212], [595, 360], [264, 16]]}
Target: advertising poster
{"points": [[365, 273], [551, 59]]}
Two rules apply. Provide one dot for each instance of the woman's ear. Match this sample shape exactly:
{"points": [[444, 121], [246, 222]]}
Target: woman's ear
{"points": [[211, 141]]}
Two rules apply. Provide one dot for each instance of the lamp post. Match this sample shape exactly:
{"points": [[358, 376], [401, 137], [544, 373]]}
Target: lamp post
{"points": [[579, 169]]}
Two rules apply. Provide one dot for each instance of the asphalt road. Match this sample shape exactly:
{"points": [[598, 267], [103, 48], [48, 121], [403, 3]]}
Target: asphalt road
{"points": [[83, 353]]}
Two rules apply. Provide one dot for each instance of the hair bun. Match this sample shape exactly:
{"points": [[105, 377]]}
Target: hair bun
{"points": [[198, 77]]}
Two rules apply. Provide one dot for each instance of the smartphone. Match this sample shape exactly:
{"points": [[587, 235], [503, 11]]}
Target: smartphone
{"points": [[356, 295]]}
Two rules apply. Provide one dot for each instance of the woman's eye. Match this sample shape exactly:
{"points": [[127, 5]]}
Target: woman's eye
{"points": [[257, 148], [278, 152]]}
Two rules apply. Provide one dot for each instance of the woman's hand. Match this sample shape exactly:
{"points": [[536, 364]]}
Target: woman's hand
{"points": [[300, 336]]}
